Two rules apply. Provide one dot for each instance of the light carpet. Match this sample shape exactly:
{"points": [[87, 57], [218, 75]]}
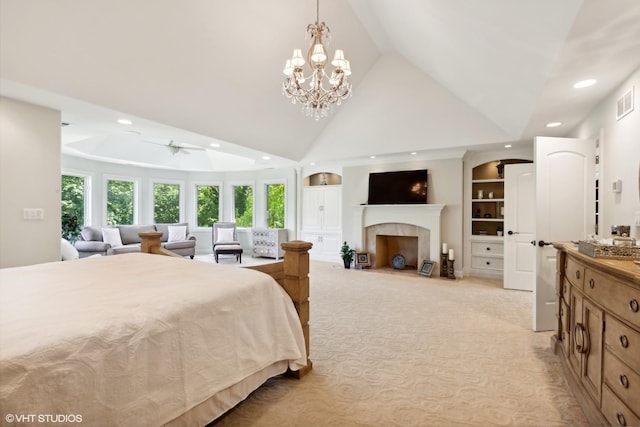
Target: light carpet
{"points": [[396, 349]]}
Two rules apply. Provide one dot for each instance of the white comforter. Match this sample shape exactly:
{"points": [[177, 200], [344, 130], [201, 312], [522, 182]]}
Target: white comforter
{"points": [[136, 339]]}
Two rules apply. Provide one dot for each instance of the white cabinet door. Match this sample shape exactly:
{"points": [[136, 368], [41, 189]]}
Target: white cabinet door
{"points": [[519, 226], [331, 211], [311, 202]]}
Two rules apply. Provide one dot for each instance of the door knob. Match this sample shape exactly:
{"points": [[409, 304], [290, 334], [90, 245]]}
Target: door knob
{"points": [[510, 233], [542, 243]]}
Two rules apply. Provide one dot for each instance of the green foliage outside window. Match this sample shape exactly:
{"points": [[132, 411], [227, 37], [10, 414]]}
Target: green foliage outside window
{"points": [[208, 205], [243, 204], [275, 205], [72, 206], [120, 202], [166, 209]]}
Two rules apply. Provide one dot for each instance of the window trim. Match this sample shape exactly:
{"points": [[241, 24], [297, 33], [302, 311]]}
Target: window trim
{"points": [[232, 204], [136, 195], [194, 204], [181, 197], [265, 202], [88, 193]]}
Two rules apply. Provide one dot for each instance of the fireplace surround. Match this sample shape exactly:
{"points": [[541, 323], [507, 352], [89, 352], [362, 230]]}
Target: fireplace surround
{"points": [[421, 221]]}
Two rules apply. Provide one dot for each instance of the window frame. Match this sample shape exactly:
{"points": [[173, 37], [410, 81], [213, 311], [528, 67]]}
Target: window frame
{"points": [[181, 197], [194, 204], [87, 190], [136, 195], [265, 202], [232, 204]]}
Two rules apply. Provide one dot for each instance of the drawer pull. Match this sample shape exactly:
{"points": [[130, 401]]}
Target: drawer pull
{"points": [[577, 274], [620, 419], [582, 347], [624, 381], [633, 305], [488, 249], [592, 283], [488, 263], [624, 341]]}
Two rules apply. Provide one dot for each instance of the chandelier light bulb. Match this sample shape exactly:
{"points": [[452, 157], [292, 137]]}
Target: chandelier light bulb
{"points": [[338, 59], [288, 68], [318, 55], [297, 60]]}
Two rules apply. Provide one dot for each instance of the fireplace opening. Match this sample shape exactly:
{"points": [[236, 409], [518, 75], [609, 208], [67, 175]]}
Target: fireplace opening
{"points": [[388, 246]]}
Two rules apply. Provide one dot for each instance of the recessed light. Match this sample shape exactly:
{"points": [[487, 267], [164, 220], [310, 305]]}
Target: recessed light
{"points": [[125, 122], [372, 157], [214, 145], [584, 83], [266, 158], [554, 124], [507, 146], [413, 153], [312, 164]]}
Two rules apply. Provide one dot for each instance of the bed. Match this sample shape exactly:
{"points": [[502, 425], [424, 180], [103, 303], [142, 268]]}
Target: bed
{"points": [[143, 339]]}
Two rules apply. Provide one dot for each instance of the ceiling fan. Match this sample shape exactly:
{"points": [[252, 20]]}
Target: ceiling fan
{"points": [[176, 148]]}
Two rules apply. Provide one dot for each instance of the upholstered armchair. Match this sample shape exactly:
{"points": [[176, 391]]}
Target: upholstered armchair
{"points": [[225, 240]]}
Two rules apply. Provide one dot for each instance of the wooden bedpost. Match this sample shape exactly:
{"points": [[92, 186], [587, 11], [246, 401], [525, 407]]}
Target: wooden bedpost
{"points": [[296, 284]]}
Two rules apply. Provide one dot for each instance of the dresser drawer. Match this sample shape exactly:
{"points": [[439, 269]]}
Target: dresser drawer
{"points": [[487, 248], [575, 273], [616, 412], [623, 341], [622, 381], [614, 295], [486, 263]]}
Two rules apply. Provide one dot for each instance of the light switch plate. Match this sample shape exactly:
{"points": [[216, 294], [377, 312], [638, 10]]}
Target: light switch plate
{"points": [[636, 221], [33, 214]]}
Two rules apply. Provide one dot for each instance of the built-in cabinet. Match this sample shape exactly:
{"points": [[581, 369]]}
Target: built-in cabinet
{"points": [[322, 218], [598, 334], [486, 218]]}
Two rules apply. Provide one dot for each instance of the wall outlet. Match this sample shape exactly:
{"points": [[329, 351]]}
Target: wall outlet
{"points": [[33, 214]]}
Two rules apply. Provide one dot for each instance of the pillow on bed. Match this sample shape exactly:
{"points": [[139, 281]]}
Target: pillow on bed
{"points": [[67, 251], [111, 236], [177, 233], [225, 235]]}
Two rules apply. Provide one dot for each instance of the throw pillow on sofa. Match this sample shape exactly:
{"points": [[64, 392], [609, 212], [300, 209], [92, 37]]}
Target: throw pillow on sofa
{"points": [[111, 236], [177, 233]]}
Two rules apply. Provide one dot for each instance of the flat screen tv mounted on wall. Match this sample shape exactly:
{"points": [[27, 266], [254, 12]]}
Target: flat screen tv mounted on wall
{"points": [[398, 187]]}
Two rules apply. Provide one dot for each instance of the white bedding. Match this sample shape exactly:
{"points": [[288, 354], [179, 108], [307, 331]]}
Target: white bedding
{"points": [[136, 339]]}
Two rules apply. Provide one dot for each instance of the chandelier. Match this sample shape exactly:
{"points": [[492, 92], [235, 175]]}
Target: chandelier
{"points": [[322, 91]]}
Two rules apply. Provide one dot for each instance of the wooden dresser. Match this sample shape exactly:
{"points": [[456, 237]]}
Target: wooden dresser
{"points": [[598, 334]]}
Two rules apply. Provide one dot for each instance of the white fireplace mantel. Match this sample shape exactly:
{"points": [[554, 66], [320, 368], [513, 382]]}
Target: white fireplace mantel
{"points": [[427, 216]]}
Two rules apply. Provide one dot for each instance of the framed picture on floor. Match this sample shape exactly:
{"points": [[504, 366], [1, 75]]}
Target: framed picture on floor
{"points": [[426, 268], [362, 259]]}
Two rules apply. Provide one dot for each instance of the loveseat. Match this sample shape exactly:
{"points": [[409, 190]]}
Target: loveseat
{"points": [[119, 239]]}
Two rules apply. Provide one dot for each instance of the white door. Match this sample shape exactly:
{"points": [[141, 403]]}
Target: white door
{"points": [[519, 226], [565, 211]]}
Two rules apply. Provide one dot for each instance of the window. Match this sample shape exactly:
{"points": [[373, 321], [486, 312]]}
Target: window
{"points": [[73, 205], [208, 205], [120, 202], [243, 205], [275, 205], [166, 203]]}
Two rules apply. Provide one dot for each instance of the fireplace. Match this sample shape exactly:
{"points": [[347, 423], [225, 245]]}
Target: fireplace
{"points": [[410, 230]]}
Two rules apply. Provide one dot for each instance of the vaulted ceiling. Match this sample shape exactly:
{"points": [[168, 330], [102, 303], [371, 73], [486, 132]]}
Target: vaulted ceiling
{"points": [[428, 75]]}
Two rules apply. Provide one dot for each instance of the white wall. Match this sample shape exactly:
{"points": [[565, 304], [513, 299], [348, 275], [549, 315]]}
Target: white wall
{"points": [[100, 171], [445, 187], [619, 156], [29, 178]]}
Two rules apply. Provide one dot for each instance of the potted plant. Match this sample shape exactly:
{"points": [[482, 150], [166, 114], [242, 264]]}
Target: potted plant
{"points": [[499, 230], [70, 227], [347, 254]]}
